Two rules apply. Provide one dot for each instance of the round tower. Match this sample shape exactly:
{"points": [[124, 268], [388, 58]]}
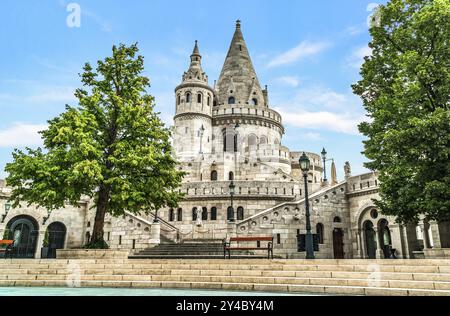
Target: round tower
{"points": [[193, 118]]}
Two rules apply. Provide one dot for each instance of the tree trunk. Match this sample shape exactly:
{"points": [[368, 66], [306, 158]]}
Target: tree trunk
{"points": [[102, 204]]}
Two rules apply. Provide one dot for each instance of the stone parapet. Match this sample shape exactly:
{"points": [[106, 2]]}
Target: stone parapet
{"points": [[91, 254]]}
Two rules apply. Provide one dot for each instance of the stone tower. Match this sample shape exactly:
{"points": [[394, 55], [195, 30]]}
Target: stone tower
{"points": [[193, 118], [242, 111]]}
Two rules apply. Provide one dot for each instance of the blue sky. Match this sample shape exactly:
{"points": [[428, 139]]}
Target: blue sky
{"points": [[307, 52]]}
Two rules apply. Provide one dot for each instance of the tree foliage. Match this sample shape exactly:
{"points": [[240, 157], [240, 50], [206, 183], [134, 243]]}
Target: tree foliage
{"points": [[405, 89], [112, 148]]}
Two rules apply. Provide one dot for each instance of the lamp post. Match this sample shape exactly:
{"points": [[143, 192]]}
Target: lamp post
{"points": [[324, 158], [156, 220], [7, 208], [201, 131], [232, 187], [305, 164]]}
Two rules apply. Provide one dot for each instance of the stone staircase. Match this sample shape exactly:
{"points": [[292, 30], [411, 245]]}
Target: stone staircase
{"points": [[192, 249], [335, 277]]}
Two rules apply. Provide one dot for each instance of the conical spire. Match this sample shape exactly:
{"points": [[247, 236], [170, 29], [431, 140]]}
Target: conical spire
{"points": [[333, 174], [238, 70], [196, 51], [195, 71]]}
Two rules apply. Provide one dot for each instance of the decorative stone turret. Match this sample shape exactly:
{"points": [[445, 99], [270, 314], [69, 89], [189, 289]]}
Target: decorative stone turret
{"points": [[193, 118]]}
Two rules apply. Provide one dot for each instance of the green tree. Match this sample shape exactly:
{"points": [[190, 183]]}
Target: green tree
{"points": [[405, 89], [112, 148]]}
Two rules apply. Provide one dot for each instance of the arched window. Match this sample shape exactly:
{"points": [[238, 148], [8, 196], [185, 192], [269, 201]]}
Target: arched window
{"points": [[214, 175], [204, 214], [171, 215], [214, 103], [208, 102], [231, 176], [214, 214], [263, 140], [180, 214], [319, 230], [199, 98], [179, 100], [240, 213], [337, 219], [194, 214], [188, 97], [252, 140], [231, 100], [254, 101], [230, 142], [230, 214]]}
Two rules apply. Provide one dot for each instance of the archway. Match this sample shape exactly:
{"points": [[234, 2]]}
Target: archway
{"points": [[385, 237], [56, 238], [338, 243], [369, 236], [24, 230]]}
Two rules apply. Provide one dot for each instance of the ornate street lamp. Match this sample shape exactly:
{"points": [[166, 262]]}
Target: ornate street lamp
{"points": [[7, 208], [201, 131], [324, 158], [305, 165], [232, 187]]}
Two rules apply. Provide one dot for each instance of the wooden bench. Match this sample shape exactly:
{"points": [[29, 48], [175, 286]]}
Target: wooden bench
{"points": [[227, 248], [6, 247]]}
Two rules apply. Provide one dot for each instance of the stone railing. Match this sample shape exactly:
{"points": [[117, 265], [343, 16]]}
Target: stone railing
{"points": [[242, 188], [295, 209], [253, 111], [364, 182]]}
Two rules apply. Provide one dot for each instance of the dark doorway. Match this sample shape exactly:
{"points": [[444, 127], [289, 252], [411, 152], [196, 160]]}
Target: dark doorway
{"points": [[338, 243], [56, 238], [385, 238], [24, 231], [371, 244]]}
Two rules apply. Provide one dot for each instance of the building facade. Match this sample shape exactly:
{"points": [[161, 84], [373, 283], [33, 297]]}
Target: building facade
{"points": [[228, 133]]}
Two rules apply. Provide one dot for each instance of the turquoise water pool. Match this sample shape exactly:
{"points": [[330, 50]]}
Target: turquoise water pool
{"points": [[49, 291]]}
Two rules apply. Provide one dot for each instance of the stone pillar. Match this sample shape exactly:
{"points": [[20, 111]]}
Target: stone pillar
{"points": [[39, 243], [434, 227], [410, 237], [396, 239], [357, 236], [155, 233], [424, 235], [379, 251]]}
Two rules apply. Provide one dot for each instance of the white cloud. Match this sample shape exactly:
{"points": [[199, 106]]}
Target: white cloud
{"points": [[21, 134], [356, 59], [312, 136], [337, 122], [304, 49], [322, 109], [290, 81], [354, 30], [42, 94]]}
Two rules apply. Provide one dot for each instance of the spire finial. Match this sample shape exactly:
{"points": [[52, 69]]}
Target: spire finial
{"points": [[196, 50], [238, 24]]}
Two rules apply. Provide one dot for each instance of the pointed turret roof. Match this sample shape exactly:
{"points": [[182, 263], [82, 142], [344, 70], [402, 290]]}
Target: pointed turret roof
{"points": [[238, 71], [195, 71]]}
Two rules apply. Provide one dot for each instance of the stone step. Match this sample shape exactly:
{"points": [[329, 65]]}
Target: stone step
{"points": [[287, 288], [444, 263], [428, 285], [10, 268], [140, 269]]}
